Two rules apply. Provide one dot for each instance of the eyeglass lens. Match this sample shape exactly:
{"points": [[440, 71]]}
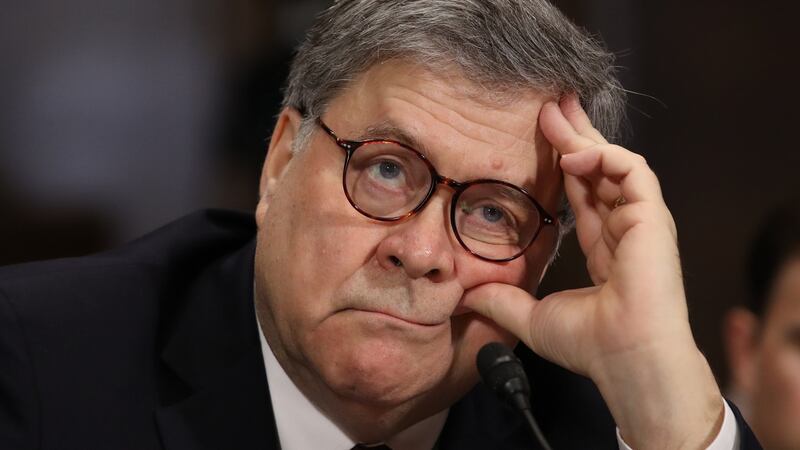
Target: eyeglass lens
{"points": [[386, 180]]}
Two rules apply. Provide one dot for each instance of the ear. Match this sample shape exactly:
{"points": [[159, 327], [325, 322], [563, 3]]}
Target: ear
{"points": [[279, 157], [740, 336]]}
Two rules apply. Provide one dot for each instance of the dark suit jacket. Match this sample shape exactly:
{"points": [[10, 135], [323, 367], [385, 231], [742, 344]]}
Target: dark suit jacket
{"points": [[155, 345]]}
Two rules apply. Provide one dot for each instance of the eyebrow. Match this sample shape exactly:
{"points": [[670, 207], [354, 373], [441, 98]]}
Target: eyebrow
{"points": [[388, 130]]}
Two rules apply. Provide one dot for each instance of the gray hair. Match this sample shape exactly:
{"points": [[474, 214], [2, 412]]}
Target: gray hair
{"points": [[510, 45]]}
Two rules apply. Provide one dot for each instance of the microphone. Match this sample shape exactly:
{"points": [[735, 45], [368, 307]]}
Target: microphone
{"points": [[502, 372]]}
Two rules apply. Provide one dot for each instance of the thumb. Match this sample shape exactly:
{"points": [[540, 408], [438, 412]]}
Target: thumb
{"points": [[508, 306]]}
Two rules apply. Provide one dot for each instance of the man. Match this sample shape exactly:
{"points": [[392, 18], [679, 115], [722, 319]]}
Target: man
{"points": [[410, 203], [763, 337]]}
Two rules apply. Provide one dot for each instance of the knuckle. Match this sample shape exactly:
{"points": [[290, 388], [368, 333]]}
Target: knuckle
{"points": [[647, 214], [639, 160], [636, 158]]}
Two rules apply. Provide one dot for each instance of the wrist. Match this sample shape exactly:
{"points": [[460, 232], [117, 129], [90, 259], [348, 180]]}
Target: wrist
{"points": [[662, 398]]}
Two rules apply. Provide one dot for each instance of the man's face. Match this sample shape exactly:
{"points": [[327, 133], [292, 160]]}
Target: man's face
{"points": [[776, 390], [343, 318]]}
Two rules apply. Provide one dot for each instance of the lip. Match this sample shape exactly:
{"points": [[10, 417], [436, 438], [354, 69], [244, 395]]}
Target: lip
{"points": [[396, 317]]}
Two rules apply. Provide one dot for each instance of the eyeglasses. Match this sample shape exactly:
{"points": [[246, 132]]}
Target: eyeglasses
{"points": [[389, 181]]}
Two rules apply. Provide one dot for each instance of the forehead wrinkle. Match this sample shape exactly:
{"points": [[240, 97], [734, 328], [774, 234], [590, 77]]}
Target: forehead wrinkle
{"points": [[470, 127], [493, 148], [447, 88]]}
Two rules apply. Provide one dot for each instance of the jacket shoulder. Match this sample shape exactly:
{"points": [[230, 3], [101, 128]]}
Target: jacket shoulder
{"points": [[121, 289], [175, 250]]}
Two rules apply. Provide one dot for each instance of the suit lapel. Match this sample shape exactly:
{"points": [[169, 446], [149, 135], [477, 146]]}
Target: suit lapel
{"points": [[479, 420], [231, 412], [747, 440], [214, 391]]}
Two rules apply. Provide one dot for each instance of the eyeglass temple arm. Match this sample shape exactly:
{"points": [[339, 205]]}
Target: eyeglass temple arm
{"points": [[347, 145]]}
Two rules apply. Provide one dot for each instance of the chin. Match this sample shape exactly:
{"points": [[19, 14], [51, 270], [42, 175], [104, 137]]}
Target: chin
{"points": [[384, 373]]}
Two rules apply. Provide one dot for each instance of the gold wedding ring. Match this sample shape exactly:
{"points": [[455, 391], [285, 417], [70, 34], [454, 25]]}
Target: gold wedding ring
{"points": [[620, 201]]}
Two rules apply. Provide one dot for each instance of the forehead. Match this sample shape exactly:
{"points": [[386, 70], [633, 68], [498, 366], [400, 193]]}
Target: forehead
{"points": [[466, 131]]}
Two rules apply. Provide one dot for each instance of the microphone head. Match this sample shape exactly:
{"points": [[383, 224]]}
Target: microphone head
{"points": [[502, 371]]}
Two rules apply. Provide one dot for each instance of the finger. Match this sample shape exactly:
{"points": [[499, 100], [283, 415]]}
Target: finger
{"points": [[637, 181], [608, 193], [577, 117], [605, 190], [641, 184], [613, 161], [588, 220], [619, 221], [506, 305], [552, 328], [560, 132], [627, 216], [597, 263]]}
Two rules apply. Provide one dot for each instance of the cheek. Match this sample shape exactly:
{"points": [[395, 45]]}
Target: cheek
{"points": [[524, 272], [315, 226], [315, 255], [776, 403], [473, 272], [782, 379], [310, 243]]}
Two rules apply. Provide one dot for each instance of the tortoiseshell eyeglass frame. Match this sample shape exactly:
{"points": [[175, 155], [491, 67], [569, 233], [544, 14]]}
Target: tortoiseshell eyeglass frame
{"points": [[349, 147]]}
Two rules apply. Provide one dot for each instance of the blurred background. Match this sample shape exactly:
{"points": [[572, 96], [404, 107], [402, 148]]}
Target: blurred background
{"points": [[119, 116]]}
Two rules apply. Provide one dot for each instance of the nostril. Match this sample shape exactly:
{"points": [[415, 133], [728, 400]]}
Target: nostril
{"points": [[396, 261]]}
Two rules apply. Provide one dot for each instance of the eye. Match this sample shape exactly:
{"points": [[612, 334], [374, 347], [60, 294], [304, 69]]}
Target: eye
{"points": [[489, 223], [388, 173], [389, 169], [492, 214], [489, 215]]}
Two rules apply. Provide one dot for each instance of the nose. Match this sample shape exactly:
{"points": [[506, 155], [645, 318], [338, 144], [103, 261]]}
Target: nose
{"points": [[421, 245]]}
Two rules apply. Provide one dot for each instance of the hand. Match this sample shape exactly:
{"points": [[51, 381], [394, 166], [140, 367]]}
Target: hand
{"points": [[630, 331]]}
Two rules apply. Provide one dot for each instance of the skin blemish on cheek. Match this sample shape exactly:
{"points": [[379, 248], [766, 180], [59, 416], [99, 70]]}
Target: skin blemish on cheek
{"points": [[497, 164]]}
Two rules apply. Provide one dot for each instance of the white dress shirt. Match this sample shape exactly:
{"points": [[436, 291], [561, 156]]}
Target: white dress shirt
{"points": [[727, 438]]}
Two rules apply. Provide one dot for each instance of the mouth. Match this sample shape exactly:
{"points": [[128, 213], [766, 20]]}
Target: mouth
{"points": [[396, 318]]}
